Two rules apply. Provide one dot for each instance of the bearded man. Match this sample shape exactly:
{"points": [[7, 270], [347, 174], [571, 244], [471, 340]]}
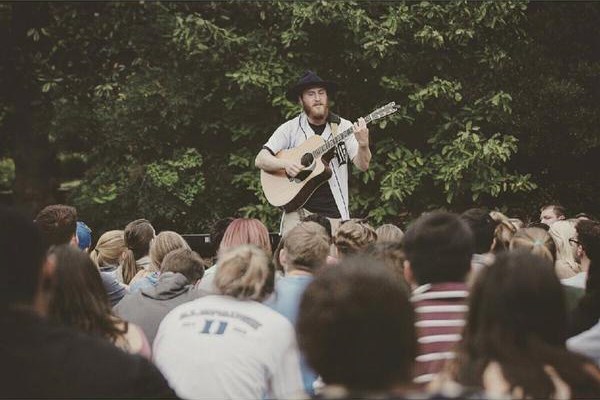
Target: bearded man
{"points": [[331, 199]]}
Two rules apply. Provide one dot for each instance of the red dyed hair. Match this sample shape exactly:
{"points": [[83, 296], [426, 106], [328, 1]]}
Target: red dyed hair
{"points": [[246, 231]]}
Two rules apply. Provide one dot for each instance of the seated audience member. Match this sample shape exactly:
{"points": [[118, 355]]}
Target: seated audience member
{"points": [[305, 251], [79, 301], [353, 237], [535, 241], [583, 216], [587, 240], [138, 234], [356, 328], [514, 342], [550, 213], [84, 236], [539, 242], [216, 236], [230, 345], [108, 252], [58, 224], [389, 233], [504, 231], [483, 227], [240, 231], [180, 270], [540, 225], [581, 257], [107, 255], [42, 360], [391, 254], [325, 223], [561, 232], [163, 244], [438, 247]]}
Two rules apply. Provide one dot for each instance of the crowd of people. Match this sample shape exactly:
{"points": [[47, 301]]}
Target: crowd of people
{"points": [[475, 305]]}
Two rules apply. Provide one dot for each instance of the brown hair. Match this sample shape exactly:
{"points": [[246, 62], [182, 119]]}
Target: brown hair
{"points": [[536, 241], [246, 273], [109, 249], [138, 235], [306, 246], [79, 299], [163, 244], [58, 224], [185, 262], [391, 254], [353, 236], [246, 231], [503, 233]]}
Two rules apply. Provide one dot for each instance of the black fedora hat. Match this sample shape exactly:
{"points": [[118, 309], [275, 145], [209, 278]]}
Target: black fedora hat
{"points": [[310, 79]]}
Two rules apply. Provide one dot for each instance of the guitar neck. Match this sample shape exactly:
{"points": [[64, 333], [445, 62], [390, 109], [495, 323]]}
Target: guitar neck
{"points": [[334, 141]]}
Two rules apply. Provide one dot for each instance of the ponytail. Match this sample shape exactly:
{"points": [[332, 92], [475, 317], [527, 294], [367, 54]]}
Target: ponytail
{"points": [[129, 266]]}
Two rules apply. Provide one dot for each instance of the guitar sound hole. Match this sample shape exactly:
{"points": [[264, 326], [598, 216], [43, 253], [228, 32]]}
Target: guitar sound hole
{"points": [[307, 159]]}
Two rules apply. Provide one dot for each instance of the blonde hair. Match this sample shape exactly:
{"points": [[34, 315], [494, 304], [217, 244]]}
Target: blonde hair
{"points": [[109, 249], [561, 231], [306, 246], [503, 233], [246, 273], [138, 235], [535, 240], [246, 231], [389, 233], [354, 236], [164, 243]]}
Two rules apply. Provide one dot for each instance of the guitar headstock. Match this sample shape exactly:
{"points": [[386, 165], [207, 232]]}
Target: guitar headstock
{"points": [[381, 112]]}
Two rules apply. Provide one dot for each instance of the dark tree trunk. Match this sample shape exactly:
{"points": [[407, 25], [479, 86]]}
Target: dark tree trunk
{"points": [[29, 122]]}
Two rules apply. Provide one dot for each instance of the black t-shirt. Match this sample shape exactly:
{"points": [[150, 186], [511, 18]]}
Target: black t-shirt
{"points": [[322, 201], [41, 360]]}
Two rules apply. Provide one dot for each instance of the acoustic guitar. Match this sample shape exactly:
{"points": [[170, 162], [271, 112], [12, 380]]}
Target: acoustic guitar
{"points": [[314, 155]]}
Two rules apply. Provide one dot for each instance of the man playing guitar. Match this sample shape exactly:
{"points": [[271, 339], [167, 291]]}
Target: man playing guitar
{"points": [[330, 200]]}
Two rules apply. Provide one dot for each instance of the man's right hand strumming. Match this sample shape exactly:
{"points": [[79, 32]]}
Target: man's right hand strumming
{"points": [[292, 169]]}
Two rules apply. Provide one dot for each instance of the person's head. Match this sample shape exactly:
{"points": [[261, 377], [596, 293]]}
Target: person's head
{"points": [[356, 326], [588, 239], [23, 252], [313, 94], [389, 233], [535, 241], [583, 216], [186, 262], [305, 247], [321, 220], [483, 227], [391, 254], [517, 318], [245, 273], [353, 236], [517, 223], [550, 213], [58, 224], [438, 247], [163, 244], [246, 231], [84, 236], [138, 234], [503, 233], [109, 249], [561, 232], [79, 299]]}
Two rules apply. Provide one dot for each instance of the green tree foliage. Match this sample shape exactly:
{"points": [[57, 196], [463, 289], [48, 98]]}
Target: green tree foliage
{"points": [[166, 105]]}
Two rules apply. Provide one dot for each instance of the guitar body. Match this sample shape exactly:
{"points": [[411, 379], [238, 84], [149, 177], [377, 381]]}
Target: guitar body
{"points": [[291, 194]]}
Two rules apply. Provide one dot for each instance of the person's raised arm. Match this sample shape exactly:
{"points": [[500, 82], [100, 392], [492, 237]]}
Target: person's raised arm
{"points": [[268, 162]]}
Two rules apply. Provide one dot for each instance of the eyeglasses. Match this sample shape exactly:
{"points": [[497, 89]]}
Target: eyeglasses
{"points": [[575, 242]]}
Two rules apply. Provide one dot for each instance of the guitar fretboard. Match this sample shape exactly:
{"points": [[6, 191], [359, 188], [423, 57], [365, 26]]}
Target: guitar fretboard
{"points": [[334, 141]]}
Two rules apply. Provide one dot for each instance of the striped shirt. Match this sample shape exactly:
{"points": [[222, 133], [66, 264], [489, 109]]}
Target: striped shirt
{"points": [[440, 312]]}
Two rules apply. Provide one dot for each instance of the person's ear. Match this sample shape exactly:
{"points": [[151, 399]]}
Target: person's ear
{"points": [[74, 241]]}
